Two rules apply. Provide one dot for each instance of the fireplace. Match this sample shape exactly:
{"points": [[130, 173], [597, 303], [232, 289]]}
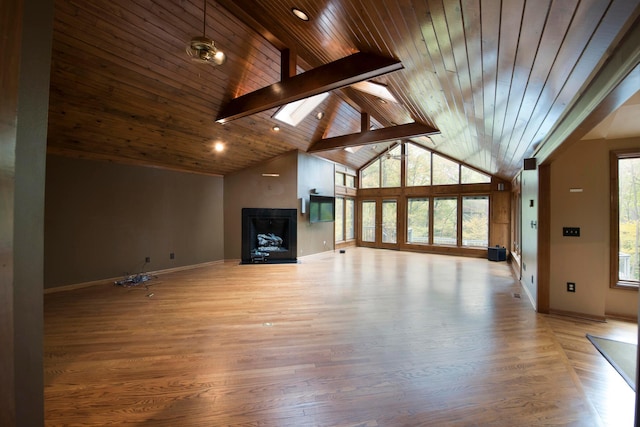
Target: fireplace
{"points": [[269, 235]]}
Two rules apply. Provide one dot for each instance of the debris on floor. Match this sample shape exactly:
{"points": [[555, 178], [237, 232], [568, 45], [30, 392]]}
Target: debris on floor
{"points": [[134, 280]]}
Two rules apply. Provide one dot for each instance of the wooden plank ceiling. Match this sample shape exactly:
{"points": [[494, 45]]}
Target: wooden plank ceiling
{"points": [[492, 76]]}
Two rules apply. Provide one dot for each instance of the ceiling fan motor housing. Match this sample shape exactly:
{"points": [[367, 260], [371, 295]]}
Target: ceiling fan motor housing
{"points": [[204, 49]]}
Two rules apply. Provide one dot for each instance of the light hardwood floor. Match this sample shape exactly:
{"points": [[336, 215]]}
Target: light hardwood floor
{"points": [[366, 338]]}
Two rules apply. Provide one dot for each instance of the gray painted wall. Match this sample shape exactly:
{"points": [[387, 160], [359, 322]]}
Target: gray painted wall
{"points": [[25, 54], [103, 219], [319, 174]]}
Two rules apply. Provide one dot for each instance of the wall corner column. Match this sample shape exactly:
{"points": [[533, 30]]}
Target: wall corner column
{"points": [[25, 49], [544, 238]]}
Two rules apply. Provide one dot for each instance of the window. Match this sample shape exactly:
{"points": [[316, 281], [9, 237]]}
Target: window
{"points": [[418, 220], [389, 221], [625, 218], [350, 181], [418, 166], [445, 171], [370, 176], [368, 221], [345, 179], [350, 219], [339, 220], [345, 219], [516, 217], [475, 221], [470, 176], [384, 171], [445, 220], [437, 201], [390, 165]]}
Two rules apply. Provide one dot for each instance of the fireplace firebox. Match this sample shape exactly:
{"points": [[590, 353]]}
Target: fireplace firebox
{"points": [[269, 236]]}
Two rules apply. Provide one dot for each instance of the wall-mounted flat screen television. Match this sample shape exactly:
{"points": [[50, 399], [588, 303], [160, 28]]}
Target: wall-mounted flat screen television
{"points": [[322, 208]]}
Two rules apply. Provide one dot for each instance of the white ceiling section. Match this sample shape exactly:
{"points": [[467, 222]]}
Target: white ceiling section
{"points": [[622, 123]]}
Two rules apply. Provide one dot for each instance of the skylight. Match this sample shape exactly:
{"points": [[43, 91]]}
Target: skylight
{"points": [[294, 112], [375, 89]]}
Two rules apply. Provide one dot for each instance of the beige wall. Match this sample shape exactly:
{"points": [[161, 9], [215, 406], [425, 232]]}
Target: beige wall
{"points": [[299, 172], [249, 189], [103, 219], [585, 259]]}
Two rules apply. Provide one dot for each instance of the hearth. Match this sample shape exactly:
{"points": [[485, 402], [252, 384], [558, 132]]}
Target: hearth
{"points": [[269, 235]]}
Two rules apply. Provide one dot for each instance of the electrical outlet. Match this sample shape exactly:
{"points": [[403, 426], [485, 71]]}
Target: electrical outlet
{"points": [[571, 287], [147, 259], [571, 231]]}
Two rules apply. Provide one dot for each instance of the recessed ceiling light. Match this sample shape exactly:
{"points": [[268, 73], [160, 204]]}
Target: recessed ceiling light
{"points": [[299, 14], [219, 147], [319, 115], [276, 128]]}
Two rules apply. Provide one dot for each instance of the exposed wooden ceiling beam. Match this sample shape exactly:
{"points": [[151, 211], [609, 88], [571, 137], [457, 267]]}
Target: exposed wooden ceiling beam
{"points": [[365, 122], [388, 134], [334, 75], [288, 64]]}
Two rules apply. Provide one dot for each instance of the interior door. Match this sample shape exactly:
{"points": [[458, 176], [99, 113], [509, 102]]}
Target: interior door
{"points": [[379, 225]]}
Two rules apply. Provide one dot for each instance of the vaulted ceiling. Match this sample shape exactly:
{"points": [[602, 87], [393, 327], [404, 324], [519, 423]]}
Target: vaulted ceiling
{"points": [[492, 77]]}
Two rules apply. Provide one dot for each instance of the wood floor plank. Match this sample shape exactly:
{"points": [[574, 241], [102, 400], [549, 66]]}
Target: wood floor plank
{"points": [[366, 338]]}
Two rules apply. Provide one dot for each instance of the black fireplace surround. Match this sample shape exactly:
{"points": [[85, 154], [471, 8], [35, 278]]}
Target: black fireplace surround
{"points": [[269, 236]]}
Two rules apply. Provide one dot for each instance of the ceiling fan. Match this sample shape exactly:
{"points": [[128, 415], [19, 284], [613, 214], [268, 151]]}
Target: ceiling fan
{"points": [[390, 156], [388, 153], [203, 49]]}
